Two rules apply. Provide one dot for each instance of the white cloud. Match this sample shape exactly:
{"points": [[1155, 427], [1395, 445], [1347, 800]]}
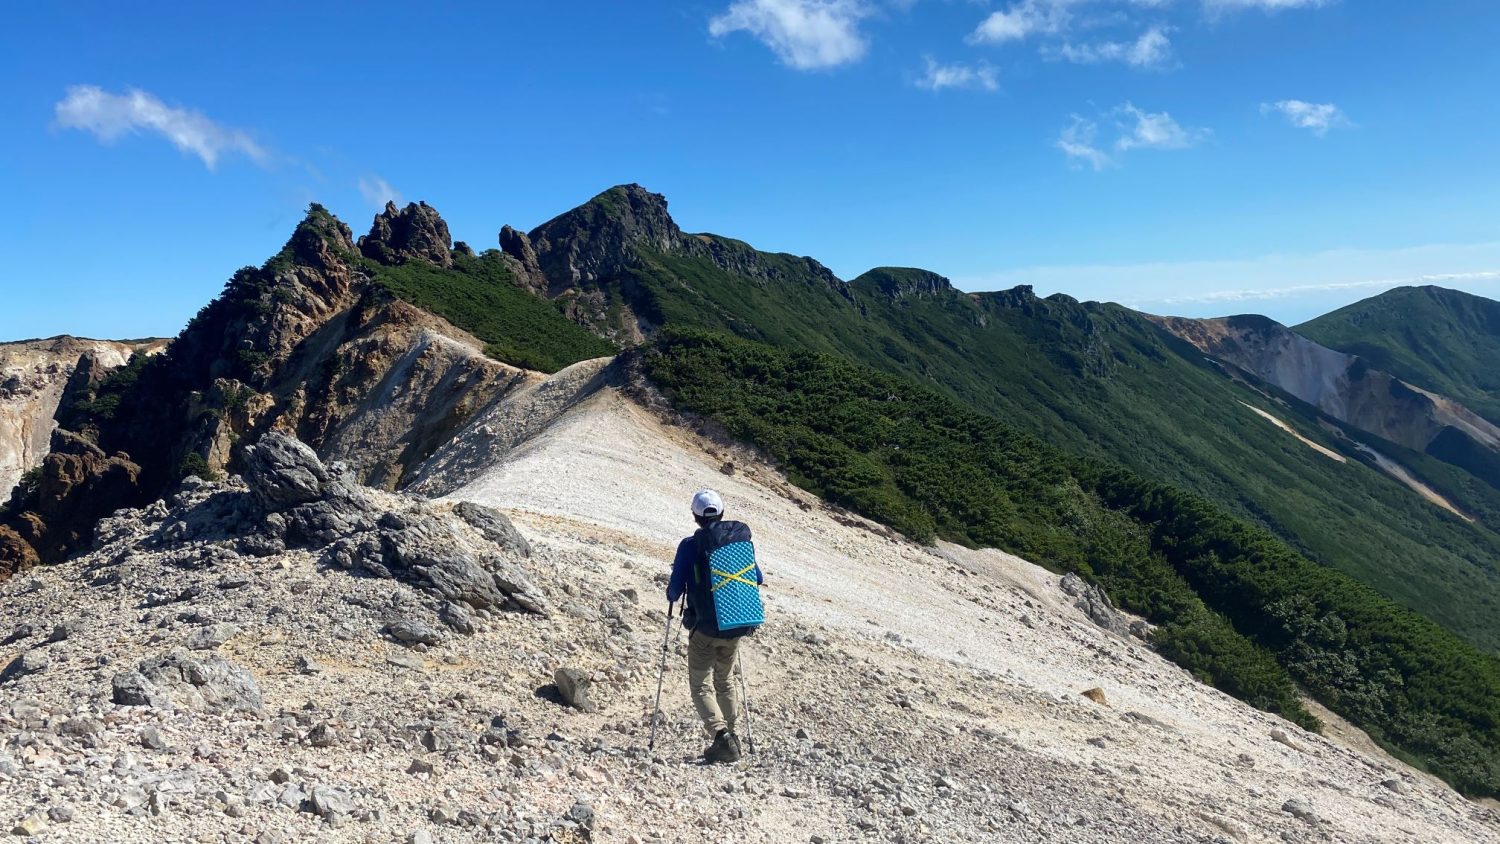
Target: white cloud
{"points": [[378, 191], [1077, 141], [804, 34], [1134, 129], [1146, 130], [110, 116], [1152, 49], [1022, 19], [940, 76], [1264, 5], [1317, 118]]}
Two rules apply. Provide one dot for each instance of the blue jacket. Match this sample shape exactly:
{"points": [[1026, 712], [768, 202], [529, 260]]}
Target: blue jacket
{"points": [[689, 555]]}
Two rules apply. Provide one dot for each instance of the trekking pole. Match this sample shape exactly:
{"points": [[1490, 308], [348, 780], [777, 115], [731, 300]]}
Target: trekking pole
{"points": [[661, 675], [739, 662]]}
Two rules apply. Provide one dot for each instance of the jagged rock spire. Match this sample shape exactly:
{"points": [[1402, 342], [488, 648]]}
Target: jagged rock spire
{"points": [[413, 233]]}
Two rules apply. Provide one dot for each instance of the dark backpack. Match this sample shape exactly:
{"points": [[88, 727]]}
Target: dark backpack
{"points": [[723, 594]]}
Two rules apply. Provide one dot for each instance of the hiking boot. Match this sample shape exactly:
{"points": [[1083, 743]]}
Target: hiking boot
{"points": [[726, 748]]}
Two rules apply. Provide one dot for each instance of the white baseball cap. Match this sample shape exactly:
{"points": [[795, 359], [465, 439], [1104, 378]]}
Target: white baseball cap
{"points": [[707, 503]]}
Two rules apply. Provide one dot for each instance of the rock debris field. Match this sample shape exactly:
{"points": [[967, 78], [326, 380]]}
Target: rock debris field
{"points": [[288, 656]]}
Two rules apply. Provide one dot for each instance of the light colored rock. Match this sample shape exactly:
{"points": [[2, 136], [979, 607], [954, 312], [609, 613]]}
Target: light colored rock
{"points": [[33, 375], [573, 684]]}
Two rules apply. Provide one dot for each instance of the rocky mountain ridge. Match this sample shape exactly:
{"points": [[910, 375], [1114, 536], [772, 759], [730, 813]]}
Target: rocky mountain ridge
{"points": [[1095, 378], [308, 344]]}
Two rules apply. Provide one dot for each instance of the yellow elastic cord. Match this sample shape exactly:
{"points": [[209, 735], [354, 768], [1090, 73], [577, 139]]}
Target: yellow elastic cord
{"points": [[736, 576]]}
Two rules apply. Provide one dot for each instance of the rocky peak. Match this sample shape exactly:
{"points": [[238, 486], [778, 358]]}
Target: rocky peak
{"points": [[905, 282], [1020, 296], [317, 238], [413, 233], [597, 239], [517, 246]]}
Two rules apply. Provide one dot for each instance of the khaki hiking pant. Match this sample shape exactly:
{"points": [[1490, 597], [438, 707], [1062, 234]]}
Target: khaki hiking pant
{"points": [[711, 663]]}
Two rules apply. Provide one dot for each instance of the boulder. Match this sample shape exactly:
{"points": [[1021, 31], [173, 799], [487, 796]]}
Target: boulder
{"points": [[345, 512], [413, 632], [210, 637], [458, 617], [283, 472], [188, 681], [326, 801], [494, 526], [573, 685], [30, 662], [421, 549]]}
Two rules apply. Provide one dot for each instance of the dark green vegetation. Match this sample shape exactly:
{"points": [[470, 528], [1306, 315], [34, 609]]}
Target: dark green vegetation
{"points": [[1098, 380], [1235, 605], [1442, 340], [479, 294]]}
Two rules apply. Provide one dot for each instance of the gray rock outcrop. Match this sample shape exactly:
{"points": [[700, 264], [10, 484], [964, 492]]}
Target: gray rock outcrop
{"points": [[283, 472], [1092, 600], [179, 680], [415, 232]]}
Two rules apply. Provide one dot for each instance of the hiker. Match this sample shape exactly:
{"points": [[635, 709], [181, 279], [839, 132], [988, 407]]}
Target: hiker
{"points": [[716, 571]]}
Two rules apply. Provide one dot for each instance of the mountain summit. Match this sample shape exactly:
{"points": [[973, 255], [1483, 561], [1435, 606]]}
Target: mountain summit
{"points": [[1442, 340]]}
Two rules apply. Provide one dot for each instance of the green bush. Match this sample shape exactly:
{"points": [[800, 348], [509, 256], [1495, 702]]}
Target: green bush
{"points": [[195, 464], [479, 294]]}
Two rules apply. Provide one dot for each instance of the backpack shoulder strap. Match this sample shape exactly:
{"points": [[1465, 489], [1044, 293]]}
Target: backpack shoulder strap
{"points": [[704, 541]]}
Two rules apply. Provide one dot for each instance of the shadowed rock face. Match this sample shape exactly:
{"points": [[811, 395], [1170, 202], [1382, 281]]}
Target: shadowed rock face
{"points": [[595, 241], [413, 233], [39, 376], [517, 246]]}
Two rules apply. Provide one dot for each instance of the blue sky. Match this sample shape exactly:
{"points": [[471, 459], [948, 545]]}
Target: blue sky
{"points": [[1186, 156]]}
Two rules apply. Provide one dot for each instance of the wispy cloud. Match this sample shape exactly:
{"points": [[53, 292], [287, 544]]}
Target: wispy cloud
{"points": [[1134, 128], [378, 191], [1147, 130], [108, 117], [1317, 118], [1078, 142], [1021, 20], [1263, 5], [804, 34], [1152, 49], [939, 76]]}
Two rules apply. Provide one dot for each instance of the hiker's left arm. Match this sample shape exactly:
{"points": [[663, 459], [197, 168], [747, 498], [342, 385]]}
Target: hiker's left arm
{"points": [[680, 564]]}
